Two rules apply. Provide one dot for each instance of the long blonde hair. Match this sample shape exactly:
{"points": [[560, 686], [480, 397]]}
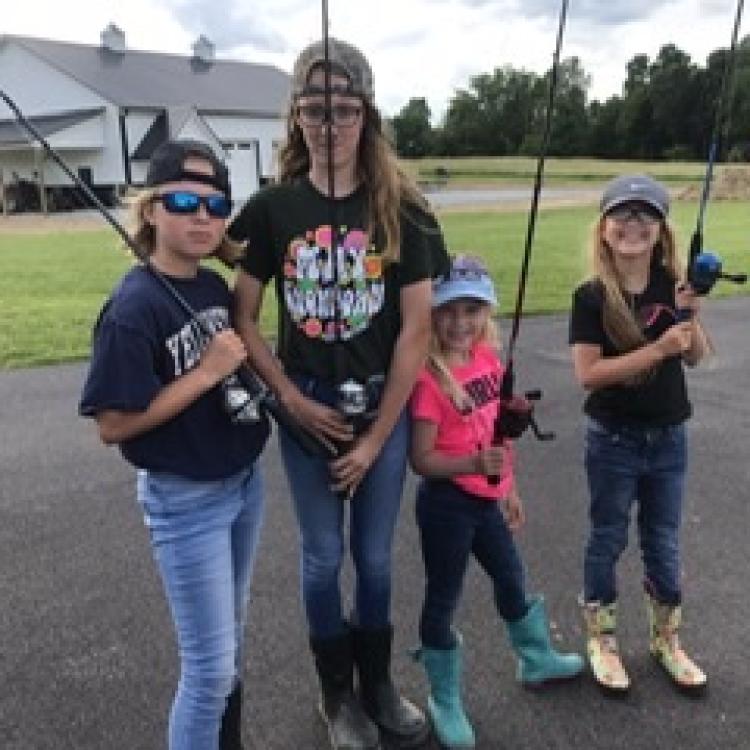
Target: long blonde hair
{"points": [[143, 233], [439, 367], [390, 191], [618, 315]]}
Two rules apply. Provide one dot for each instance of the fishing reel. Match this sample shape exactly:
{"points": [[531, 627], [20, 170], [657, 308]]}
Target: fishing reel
{"points": [[706, 269], [358, 401], [351, 401], [242, 399], [515, 416]]}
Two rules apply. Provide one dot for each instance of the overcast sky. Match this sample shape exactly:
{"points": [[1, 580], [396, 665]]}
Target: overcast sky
{"points": [[416, 47]]}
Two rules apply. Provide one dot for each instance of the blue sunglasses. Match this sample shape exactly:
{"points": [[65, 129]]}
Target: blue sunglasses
{"points": [[184, 202]]}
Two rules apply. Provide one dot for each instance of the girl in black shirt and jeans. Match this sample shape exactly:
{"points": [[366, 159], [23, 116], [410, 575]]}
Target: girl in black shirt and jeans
{"points": [[630, 337], [354, 304]]}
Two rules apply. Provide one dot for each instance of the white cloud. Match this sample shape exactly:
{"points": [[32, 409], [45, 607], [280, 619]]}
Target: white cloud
{"points": [[416, 47]]}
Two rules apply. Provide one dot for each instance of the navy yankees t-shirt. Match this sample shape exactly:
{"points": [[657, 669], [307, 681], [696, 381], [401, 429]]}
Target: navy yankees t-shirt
{"points": [[143, 341]]}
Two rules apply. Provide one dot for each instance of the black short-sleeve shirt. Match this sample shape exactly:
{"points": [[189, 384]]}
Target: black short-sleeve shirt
{"points": [[143, 341], [662, 399], [286, 228]]}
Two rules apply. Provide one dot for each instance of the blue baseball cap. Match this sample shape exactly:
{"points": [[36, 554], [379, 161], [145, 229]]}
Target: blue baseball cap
{"points": [[467, 279]]}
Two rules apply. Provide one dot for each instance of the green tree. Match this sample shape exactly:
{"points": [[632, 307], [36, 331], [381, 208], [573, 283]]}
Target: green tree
{"points": [[570, 124], [412, 128]]}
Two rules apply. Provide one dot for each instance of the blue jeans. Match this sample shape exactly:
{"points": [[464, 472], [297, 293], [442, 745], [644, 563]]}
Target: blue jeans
{"points": [[625, 465], [321, 514], [204, 537], [454, 525]]}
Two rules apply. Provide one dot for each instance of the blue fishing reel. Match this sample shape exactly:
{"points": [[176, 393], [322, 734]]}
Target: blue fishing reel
{"points": [[706, 270]]}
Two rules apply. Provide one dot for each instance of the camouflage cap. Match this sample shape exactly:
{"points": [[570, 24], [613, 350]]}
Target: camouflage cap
{"points": [[344, 58]]}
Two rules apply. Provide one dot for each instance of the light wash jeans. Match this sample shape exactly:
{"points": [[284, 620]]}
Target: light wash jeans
{"points": [[204, 537], [321, 513], [625, 466]]}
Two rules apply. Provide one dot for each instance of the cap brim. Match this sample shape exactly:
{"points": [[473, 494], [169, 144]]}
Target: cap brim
{"points": [[461, 290], [606, 208]]}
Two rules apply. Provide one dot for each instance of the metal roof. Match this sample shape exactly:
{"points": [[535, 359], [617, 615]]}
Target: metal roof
{"points": [[157, 80], [13, 133]]}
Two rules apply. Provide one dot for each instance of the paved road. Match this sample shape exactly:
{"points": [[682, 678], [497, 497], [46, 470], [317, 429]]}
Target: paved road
{"points": [[87, 658], [451, 198]]}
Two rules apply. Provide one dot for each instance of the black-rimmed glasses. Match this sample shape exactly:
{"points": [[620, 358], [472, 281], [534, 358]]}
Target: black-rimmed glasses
{"points": [[343, 115]]}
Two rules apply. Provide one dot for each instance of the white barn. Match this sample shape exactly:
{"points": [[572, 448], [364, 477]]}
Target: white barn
{"points": [[105, 109]]}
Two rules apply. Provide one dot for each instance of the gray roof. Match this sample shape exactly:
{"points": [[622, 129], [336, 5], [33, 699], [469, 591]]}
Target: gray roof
{"points": [[11, 132], [157, 80]]}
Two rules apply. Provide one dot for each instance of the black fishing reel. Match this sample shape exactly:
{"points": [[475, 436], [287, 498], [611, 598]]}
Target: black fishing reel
{"points": [[706, 269], [515, 416]]}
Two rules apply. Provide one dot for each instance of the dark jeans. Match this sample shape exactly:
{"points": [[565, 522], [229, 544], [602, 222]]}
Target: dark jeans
{"points": [[627, 465], [454, 525], [321, 515]]}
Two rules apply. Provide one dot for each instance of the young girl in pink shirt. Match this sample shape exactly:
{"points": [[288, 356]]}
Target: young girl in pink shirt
{"points": [[460, 510]]}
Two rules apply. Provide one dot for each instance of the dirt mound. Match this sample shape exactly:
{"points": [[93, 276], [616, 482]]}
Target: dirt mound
{"points": [[729, 183]]}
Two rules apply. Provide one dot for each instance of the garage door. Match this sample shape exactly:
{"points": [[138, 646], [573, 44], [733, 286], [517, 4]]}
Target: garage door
{"points": [[243, 160]]}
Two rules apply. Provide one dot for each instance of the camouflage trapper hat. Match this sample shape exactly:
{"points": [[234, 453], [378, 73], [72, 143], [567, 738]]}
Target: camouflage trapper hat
{"points": [[345, 59]]}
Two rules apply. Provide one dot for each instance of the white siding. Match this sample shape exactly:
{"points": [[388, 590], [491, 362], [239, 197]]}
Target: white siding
{"points": [[45, 90], [237, 129]]}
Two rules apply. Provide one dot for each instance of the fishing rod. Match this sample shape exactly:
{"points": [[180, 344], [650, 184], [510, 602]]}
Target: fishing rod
{"points": [[705, 267], [351, 395], [246, 399], [516, 413]]}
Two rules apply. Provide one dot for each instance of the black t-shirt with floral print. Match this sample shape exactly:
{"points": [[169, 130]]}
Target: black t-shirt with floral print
{"points": [[287, 230]]}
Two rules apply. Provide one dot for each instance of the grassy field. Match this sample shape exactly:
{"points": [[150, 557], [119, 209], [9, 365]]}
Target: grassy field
{"points": [[516, 169], [52, 285]]}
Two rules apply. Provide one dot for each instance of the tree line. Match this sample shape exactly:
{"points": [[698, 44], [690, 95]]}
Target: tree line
{"points": [[666, 110]]}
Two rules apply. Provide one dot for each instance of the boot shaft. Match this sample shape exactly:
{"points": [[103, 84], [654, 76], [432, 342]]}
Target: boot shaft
{"points": [[334, 662], [372, 655], [664, 620], [444, 669], [600, 619]]}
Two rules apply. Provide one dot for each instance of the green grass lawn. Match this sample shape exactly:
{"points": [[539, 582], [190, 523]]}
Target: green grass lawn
{"points": [[52, 285]]}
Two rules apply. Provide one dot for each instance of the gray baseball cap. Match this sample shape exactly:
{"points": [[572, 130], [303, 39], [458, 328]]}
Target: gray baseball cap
{"points": [[635, 187], [345, 59]]}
